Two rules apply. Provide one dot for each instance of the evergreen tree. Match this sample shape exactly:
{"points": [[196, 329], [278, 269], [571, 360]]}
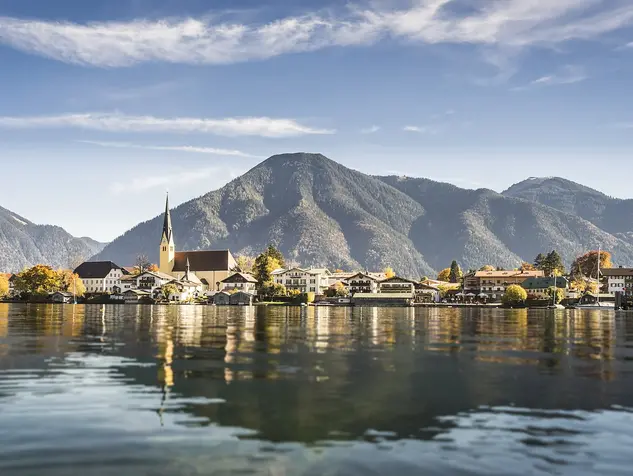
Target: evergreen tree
{"points": [[539, 260], [554, 264], [456, 273]]}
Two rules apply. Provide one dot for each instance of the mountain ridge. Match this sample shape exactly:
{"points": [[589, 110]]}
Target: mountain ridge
{"points": [[321, 213]]}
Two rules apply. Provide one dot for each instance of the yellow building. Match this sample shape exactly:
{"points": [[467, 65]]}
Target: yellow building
{"points": [[211, 266]]}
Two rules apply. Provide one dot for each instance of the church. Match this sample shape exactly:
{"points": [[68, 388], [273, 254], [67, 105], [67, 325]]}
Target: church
{"points": [[210, 267]]}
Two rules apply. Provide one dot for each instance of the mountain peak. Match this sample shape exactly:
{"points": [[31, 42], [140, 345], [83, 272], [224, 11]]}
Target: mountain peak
{"points": [[548, 185]]}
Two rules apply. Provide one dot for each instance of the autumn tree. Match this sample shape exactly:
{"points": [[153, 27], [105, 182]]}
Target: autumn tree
{"points": [[389, 272], [558, 292], [338, 290], [587, 264], [141, 264], [444, 275], [168, 289], [71, 282], [245, 264], [276, 254], [4, 286], [514, 294], [38, 280], [527, 267], [270, 289], [487, 267], [455, 274]]}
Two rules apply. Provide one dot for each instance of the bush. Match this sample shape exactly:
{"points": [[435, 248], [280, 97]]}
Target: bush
{"points": [[515, 294]]}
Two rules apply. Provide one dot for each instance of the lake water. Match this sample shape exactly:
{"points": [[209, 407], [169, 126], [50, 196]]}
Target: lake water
{"points": [[127, 390]]}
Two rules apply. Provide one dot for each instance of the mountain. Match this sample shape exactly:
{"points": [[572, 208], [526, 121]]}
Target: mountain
{"points": [[321, 213], [23, 244], [611, 214]]}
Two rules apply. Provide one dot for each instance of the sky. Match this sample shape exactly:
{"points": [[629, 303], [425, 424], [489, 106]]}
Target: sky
{"points": [[107, 104]]}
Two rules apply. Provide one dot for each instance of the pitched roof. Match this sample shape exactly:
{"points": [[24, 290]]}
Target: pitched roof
{"points": [[617, 272], [398, 278], [544, 283], [240, 278], [96, 269], [212, 260], [362, 276], [158, 274], [509, 274]]}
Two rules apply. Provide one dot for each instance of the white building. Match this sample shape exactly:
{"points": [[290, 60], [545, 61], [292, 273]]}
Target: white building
{"points": [[151, 281], [239, 282], [313, 280], [618, 280], [100, 276]]}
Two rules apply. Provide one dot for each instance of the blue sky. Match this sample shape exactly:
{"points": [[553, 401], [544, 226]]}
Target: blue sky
{"points": [[106, 104]]}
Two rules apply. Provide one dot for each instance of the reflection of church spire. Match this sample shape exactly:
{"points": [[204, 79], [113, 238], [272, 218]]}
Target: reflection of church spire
{"points": [[167, 228]]}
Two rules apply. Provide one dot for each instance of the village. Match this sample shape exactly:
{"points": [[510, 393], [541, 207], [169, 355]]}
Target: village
{"points": [[216, 277]]}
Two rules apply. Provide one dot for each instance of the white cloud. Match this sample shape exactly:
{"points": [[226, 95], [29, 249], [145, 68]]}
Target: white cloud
{"points": [[173, 180], [501, 24], [421, 129], [178, 148], [236, 126], [568, 74], [370, 130]]}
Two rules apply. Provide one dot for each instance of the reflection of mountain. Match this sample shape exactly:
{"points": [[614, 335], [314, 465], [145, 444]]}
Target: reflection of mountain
{"points": [[315, 374]]}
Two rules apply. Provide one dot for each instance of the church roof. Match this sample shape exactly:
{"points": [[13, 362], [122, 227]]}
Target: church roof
{"points": [[201, 261], [167, 228]]}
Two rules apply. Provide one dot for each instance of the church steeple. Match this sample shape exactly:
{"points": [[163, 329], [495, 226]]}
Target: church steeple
{"points": [[167, 229], [167, 245]]}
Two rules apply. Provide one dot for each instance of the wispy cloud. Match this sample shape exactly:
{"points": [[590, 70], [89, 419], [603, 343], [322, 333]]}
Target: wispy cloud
{"points": [[235, 126], [370, 130], [176, 148], [568, 74], [421, 129], [509, 24], [175, 179]]}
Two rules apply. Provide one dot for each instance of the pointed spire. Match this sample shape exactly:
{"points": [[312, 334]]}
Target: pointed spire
{"points": [[167, 229]]}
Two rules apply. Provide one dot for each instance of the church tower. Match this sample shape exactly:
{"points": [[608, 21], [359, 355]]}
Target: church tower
{"points": [[167, 245]]}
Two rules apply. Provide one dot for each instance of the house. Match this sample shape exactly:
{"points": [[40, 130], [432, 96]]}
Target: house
{"points": [[149, 281], [618, 280], [397, 285], [313, 280], [382, 299], [221, 299], [538, 288], [11, 280], [136, 296], [239, 281], [361, 283], [210, 266], [126, 282], [100, 276], [424, 292], [494, 283], [241, 298], [62, 297]]}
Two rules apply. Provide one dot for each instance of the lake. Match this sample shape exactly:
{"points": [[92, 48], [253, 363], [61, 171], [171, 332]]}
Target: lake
{"points": [[281, 391]]}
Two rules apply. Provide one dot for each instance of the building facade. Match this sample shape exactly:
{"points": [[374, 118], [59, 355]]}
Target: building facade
{"points": [[361, 283], [618, 280], [494, 283], [100, 277], [539, 288], [243, 282], [313, 280]]}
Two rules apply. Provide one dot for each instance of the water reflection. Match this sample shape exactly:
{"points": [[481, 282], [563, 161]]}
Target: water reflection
{"points": [[318, 376]]}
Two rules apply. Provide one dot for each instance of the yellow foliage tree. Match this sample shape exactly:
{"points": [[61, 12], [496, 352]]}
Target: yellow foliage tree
{"points": [[4, 286], [70, 282], [515, 294], [487, 267], [38, 280], [445, 275], [389, 273]]}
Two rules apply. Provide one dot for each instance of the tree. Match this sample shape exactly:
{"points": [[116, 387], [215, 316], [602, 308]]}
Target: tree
{"points": [[245, 264], [444, 275], [276, 254], [38, 280], [70, 282], [266, 263], [558, 292], [515, 294], [389, 273], [587, 264], [527, 267], [487, 267], [4, 286], [455, 274], [141, 264], [270, 289], [153, 268], [337, 290], [539, 260], [168, 289]]}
